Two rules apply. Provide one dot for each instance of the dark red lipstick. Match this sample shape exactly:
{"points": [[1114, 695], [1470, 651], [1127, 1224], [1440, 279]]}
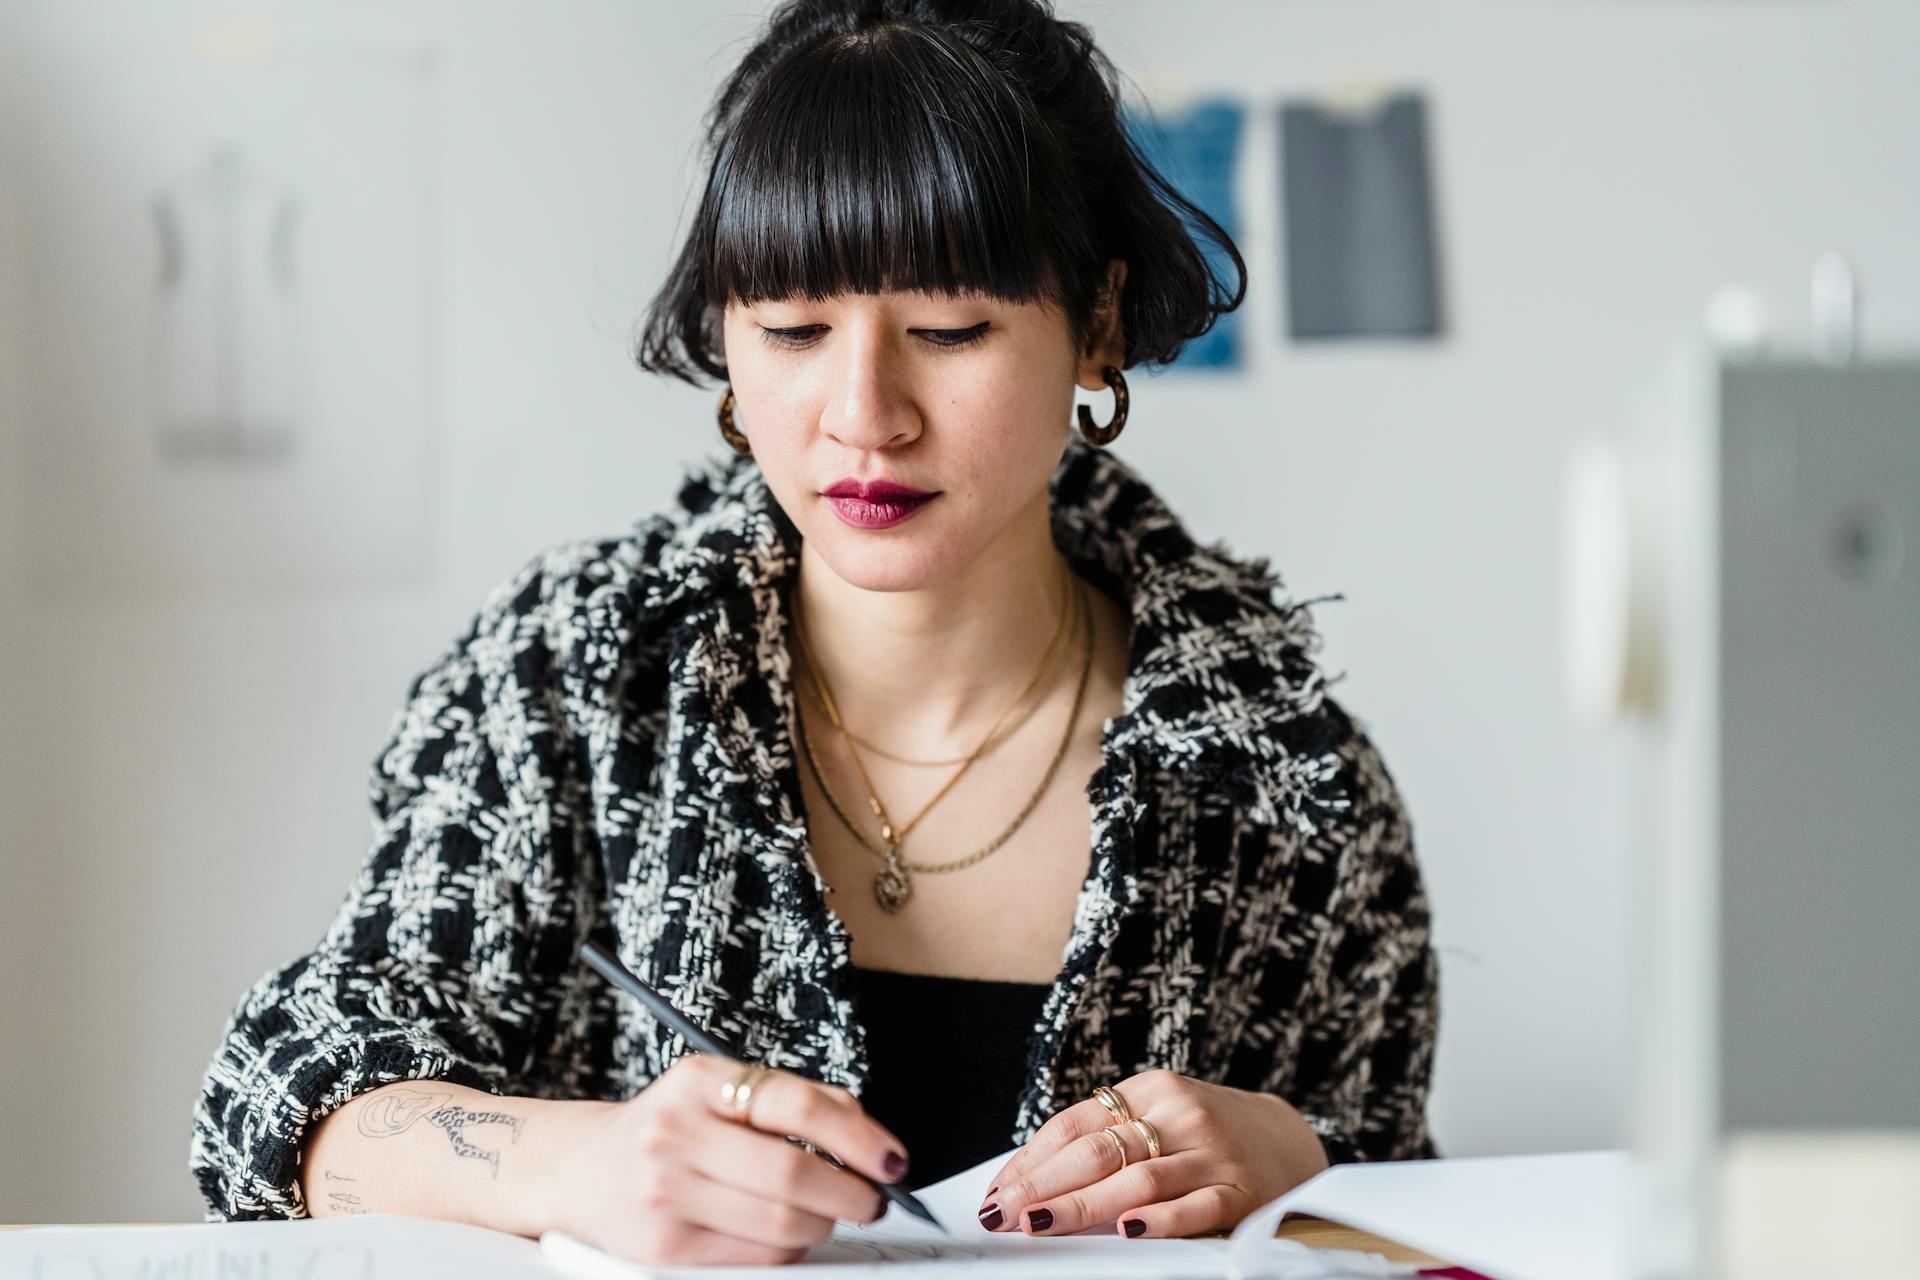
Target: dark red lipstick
{"points": [[875, 504]]}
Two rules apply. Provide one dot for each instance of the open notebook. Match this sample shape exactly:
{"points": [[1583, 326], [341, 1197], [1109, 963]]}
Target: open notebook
{"points": [[383, 1246], [900, 1245], [1557, 1217]]}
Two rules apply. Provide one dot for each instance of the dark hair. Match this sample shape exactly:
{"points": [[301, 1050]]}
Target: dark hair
{"points": [[948, 146]]}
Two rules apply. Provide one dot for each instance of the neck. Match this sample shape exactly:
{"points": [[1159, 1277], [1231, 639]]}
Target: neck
{"points": [[927, 672]]}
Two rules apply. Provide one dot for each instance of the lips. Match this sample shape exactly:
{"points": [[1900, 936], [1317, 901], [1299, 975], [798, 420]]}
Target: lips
{"points": [[876, 504], [875, 490], [862, 514]]}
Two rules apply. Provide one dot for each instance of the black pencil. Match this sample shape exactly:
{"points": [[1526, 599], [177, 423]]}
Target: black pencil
{"points": [[706, 1042]]}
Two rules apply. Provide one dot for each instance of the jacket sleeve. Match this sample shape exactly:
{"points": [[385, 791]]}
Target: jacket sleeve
{"points": [[441, 962], [1365, 1059]]}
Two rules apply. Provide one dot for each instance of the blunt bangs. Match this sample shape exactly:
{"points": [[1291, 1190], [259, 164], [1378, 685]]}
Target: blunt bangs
{"points": [[948, 147], [889, 159]]}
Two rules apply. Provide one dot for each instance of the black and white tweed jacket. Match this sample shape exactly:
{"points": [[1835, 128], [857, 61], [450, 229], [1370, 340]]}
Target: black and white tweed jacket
{"points": [[607, 752]]}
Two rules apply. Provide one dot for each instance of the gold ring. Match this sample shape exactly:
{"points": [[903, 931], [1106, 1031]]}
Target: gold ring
{"points": [[1115, 1104], [737, 1094], [1147, 1132], [1118, 1145]]}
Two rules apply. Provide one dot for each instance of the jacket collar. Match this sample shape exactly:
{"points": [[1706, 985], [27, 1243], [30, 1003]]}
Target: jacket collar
{"points": [[1221, 686], [1221, 693]]}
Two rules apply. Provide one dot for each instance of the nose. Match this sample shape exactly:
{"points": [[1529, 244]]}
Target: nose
{"points": [[868, 405]]}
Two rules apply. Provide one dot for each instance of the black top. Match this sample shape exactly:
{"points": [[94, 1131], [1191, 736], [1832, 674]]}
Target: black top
{"points": [[946, 1061]]}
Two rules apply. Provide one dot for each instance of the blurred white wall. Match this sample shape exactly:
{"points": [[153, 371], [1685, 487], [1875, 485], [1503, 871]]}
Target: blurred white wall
{"points": [[183, 786]]}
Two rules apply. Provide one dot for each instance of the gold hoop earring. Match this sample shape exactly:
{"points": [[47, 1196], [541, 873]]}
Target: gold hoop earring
{"points": [[1104, 435], [732, 434]]}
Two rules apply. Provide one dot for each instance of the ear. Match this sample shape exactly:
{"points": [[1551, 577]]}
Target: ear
{"points": [[1106, 339]]}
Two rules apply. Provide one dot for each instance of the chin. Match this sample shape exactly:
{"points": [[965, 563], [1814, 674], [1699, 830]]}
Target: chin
{"points": [[883, 563]]}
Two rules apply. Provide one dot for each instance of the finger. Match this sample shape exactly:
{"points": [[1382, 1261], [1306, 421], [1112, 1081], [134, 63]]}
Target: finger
{"points": [[772, 1168], [1210, 1208], [1072, 1205], [1058, 1133], [1139, 1093], [1082, 1162], [746, 1216], [1055, 1197], [783, 1103]]}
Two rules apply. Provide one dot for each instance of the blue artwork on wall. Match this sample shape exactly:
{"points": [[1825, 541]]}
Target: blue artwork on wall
{"points": [[1196, 148]]}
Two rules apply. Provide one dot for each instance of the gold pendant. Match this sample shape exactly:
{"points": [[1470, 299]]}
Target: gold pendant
{"points": [[891, 888]]}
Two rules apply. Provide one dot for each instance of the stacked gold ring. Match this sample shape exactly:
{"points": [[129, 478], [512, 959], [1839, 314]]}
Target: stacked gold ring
{"points": [[737, 1094], [1118, 1145], [1148, 1132], [1110, 1099]]}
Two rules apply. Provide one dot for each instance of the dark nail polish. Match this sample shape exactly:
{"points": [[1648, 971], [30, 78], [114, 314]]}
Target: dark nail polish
{"points": [[896, 1166], [1040, 1219], [881, 1212], [1135, 1228], [990, 1217]]}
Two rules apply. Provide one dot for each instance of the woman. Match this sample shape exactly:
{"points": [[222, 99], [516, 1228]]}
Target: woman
{"points": [[997, 813]]}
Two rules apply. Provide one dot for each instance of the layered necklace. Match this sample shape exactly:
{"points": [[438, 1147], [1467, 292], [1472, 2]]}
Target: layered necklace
{"points": [[893, 884]]}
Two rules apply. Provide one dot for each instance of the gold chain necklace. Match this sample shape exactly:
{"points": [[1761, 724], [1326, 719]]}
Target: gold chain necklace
{"points": [[885, 754], [993, 734], [833, 712], [892, 886]]}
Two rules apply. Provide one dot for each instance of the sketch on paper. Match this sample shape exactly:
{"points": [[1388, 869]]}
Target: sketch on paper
{"points": [[229, 381], [225, 351]]}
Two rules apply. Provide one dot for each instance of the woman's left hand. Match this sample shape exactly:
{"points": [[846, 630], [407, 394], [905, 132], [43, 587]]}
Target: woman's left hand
{"points": [[1223, 1153]]}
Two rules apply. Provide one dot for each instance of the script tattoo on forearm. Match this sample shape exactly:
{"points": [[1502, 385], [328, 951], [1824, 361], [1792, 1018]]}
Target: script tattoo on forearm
{"points": [[397, 1110], [344, 1201]]}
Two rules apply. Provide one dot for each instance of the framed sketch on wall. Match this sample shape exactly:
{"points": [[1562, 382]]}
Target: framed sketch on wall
{"points": [[229, 240]]}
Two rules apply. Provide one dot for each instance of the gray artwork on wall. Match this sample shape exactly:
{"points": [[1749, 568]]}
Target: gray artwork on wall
{"points": [[1361, 250]]}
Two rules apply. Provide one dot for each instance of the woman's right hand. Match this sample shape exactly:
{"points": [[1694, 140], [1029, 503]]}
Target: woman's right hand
{"points": [[668, 1177]]}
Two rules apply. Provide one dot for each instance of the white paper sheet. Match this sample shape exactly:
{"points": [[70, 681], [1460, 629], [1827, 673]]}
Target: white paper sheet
{"points": [[401, 1247], [375, 1246], [901, 1246], [1550, 1217]]}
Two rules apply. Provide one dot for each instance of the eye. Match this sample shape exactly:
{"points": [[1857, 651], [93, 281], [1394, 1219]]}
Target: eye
{"points": [[790, 338], [951, 338], [806, 335]]}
